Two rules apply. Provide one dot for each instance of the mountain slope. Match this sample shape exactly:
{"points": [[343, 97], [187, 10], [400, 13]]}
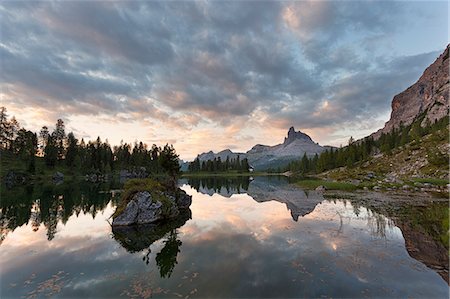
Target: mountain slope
{"points": [[430, 94]]}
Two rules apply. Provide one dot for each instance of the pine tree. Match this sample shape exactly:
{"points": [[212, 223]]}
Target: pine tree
{"points": [[71, 149], [51, 152], [59, 136]]}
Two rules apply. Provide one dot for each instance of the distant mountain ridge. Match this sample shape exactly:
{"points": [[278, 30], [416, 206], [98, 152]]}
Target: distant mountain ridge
{"points": [[429, 95], [263, 157]]}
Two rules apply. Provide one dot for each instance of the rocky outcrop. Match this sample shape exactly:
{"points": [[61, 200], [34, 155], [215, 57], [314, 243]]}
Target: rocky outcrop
{"points": [[429, 95], [293, 135], [151, 207]]}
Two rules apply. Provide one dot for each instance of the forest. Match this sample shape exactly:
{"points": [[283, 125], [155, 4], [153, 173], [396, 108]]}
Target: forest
{"points": [[364, 149], [21, 148], [217, 165]]}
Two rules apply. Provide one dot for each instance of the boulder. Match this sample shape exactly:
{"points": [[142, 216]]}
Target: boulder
{"points": [[183, 200], [151, 207]]}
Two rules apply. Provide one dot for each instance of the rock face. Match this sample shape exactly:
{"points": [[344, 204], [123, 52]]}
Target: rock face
{"points": [[293, 136], [262, 157], [295, 145], [145, 207], [430, 94]]}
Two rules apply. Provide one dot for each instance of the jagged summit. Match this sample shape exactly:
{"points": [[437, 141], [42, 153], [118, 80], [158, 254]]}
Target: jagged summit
{"points": [[293, 135], [262, 157]]}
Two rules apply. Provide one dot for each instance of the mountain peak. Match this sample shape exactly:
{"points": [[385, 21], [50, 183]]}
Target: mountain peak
{"points": [[293, 135]]}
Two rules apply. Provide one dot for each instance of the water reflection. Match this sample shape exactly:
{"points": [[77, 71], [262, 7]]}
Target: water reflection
{"points": [[49, 204], [225, 186], [269, 241], [261, 189], [139, 238], [424, 228]]}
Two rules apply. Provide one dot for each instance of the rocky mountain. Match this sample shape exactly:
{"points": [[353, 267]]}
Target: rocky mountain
{"points": [[429, 95], [222, 154], [262, 157]]}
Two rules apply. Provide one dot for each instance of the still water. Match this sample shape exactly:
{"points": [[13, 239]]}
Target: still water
{"points": [[243, 238]]}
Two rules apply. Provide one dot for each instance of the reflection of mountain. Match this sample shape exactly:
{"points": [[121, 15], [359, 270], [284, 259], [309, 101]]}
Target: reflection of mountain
{"points": [[261, 189], [299, 202], [423, 247], [423, 230], [139, 237]]}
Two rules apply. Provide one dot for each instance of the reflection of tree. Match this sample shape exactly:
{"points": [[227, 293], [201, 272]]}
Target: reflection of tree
{"points": [[137, 238], [424, 228], [227, 185], [55, 213], [378, 224], [49, 204], [166, 259]]}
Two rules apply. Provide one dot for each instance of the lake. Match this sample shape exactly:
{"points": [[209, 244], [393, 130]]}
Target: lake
{"points": [[244, 237]]}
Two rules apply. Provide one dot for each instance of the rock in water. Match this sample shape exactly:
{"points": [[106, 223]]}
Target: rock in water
{"points": [[184, 200], [145, 207], [128, 216]]}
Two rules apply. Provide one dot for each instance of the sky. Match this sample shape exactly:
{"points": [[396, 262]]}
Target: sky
{"points": [[211, 75]]}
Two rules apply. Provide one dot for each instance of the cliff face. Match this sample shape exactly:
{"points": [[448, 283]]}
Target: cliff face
{"points": [[430, 93]]}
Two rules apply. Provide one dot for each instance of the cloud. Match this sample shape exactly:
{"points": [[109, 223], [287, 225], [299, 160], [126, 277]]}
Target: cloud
{"points": [[183, 66]]}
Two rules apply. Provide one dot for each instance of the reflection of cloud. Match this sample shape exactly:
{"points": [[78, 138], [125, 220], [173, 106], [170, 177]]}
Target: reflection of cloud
{"points": [[254, 248]]}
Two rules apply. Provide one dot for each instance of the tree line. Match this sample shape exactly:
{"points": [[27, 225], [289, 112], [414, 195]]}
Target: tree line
{"points": [[217, 165], [362, 150], [57, 148]]}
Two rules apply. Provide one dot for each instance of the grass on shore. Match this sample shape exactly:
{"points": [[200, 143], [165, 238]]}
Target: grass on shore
{"points": [[432, 181]]}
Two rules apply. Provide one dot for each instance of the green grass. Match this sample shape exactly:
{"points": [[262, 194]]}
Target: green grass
{"points": [[433, 181], [312, 184]]}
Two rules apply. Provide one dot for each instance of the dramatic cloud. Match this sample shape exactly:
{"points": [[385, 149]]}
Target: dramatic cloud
{"points": [[237, 72]]}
